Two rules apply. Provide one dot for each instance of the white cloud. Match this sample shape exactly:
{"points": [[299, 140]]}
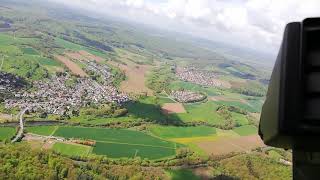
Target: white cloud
{"points": [[258, 23], [234, 18], [135, 3]]}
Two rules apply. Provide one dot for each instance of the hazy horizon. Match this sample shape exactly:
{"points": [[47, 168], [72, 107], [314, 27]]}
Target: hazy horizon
{"points": [[259, 24]]}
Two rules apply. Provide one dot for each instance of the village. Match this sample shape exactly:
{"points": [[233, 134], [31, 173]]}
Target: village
{"points": [[56, 97], [103, 70], [201, 77], [187, 96]]}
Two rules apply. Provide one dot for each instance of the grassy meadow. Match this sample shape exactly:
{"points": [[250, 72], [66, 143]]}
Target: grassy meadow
{"points": [[23, 60], [71, 149], [7, 133], [246, 130], [77, 47], [29, 51], [146, 108], [168, 132], [197, 112], [42, 130]]}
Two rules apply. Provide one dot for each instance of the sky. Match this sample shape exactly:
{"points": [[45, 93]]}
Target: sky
{"points": [[257, 24]]}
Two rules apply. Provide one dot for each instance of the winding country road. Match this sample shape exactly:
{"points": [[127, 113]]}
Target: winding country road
{"points": [[20, 132]]}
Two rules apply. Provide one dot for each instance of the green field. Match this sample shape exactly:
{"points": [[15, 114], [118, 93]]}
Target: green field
{"points": [[71, 149], [246, 130], [76, 47], [24, 61], [256, 104], [182, 174], [9, 49], [7, 133], [182, 132], [205, 112], [42, 130], [29, 50], [162, 100], [111, 135], [116, 150], [146, 108], [239, 118], [115, 142], [44, 61], [238, 104]]}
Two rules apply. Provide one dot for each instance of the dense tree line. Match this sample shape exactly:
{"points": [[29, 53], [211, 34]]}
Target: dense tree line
{"points": [[105, 110], [160, 78], [251, 88], [19, 161], [117, 76], [225, 112]]}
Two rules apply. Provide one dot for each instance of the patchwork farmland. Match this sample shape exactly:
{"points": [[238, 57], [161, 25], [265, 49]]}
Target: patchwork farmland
{"points": [[116, 143], [119, 143], [83, 55], [108, 100]]}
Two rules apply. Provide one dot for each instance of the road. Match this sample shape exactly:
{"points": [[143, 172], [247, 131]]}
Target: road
{"points": [[20, 132], [170, 97]]}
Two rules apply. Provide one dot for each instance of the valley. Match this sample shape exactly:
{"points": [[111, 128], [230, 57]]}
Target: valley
{"points": [[96, 93]]}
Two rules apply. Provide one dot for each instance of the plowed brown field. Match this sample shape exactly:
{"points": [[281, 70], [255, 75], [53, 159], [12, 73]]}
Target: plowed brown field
{"points": [[228, 145], [83, 56], [72, 66], [169, 108], [135, 82]]}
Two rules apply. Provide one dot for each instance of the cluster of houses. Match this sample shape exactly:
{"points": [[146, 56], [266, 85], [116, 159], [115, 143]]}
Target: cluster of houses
{"points": [[187, 96], [103, 70], [54, 96], [10, 82], [201, 77]]}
